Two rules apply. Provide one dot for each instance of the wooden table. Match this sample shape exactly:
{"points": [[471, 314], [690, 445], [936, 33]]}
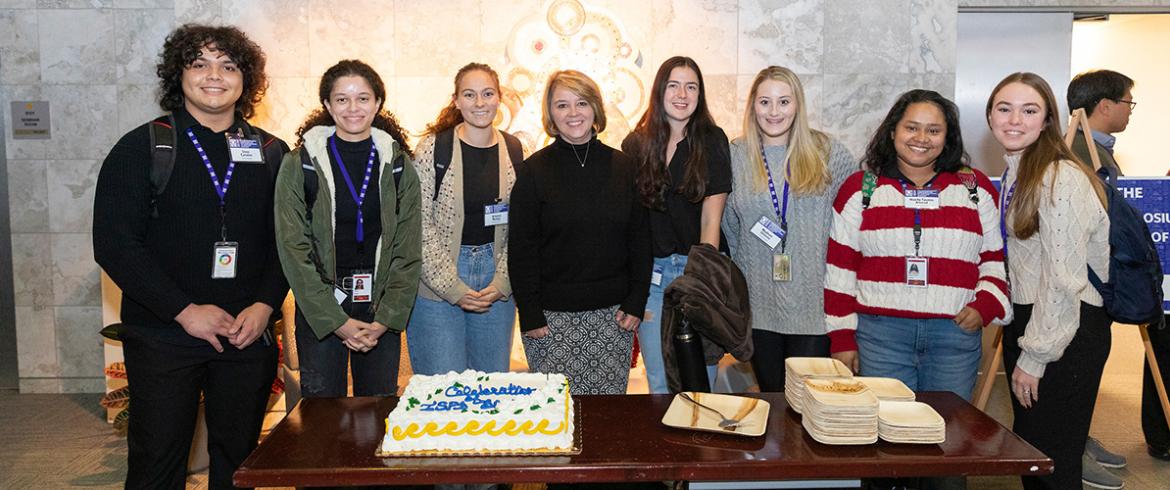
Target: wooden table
{"points": [[332, 442]]}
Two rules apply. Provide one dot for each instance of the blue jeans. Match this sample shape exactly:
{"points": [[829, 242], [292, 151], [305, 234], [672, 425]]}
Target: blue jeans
{"points": [[927, 355], [650, 330], [443, 337]]}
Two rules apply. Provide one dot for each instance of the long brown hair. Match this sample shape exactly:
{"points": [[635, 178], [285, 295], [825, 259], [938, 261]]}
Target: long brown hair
{"points": [[450, 116], [653, 129], [808, 149], [1047, 151], [383, 119]]}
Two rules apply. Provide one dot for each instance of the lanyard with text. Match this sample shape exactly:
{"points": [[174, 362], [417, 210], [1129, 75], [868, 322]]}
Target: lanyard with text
{"points": [[224, 253], [359, 197]]}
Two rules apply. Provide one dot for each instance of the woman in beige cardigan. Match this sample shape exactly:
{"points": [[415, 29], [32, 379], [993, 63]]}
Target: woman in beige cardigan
{"points": [[463, 316]]}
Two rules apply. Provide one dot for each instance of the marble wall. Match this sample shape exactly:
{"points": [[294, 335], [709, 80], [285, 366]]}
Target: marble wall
{"points": [[93, 59]]}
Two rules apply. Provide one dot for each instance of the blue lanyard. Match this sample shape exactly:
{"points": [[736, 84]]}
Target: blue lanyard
{"points": [[917, 217], [359, 197], [781, 211], [220, 189]]}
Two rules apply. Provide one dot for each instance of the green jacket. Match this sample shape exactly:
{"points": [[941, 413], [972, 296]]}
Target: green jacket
{"points": [[1082, 151], [398, 258]]}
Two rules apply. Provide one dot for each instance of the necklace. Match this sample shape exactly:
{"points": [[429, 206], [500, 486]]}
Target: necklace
{"points": [[578, 157]]}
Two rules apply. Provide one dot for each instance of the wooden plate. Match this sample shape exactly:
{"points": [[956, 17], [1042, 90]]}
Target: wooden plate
{"points": [[753, 413]]}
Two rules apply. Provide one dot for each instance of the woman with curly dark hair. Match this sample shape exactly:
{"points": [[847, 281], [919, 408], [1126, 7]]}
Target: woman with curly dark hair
{"points": [[351, 251], [915, 258], [684, 176], [182, 50]]}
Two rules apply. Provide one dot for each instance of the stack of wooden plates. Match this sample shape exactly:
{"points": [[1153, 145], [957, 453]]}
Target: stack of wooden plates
{"points": [[911, 423], [797, 369], [888, 389], [840, 411]]}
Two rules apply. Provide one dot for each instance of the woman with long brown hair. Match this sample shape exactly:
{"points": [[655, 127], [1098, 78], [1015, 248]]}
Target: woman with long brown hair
{"points": [[463, 317], [684, 176], [351, 250], [1055, 221]]}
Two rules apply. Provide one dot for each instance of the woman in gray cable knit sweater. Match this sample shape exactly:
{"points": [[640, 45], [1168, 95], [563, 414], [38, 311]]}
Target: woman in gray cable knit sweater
{"points": [[786, 173]]}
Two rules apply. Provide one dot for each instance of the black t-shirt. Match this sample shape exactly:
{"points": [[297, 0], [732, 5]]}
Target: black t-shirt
{"points": [[676, 229], [355, 155], [481, 186]]}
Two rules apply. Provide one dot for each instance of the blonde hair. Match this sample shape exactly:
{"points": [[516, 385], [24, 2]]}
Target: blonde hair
{"points": [[808, 149], [579, 84]]}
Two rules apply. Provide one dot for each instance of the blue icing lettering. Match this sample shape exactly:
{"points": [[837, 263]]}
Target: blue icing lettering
{"points": [[482, 396]]}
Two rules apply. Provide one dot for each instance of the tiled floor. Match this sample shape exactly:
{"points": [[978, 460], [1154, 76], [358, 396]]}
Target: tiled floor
{"points": [[63, 441]]}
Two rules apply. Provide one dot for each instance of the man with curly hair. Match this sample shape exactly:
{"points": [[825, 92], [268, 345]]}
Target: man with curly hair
{"points": [[195, 257]]}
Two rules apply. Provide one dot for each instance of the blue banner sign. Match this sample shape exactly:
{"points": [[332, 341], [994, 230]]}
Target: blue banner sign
{"points": [[1151, 196]]}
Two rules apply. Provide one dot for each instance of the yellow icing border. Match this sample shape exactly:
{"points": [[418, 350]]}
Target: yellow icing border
{"points": [[474, 428]]}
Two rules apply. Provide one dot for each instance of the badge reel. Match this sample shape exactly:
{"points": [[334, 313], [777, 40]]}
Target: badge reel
{"points": [[223, 261], [244, 149], [495, 214]]}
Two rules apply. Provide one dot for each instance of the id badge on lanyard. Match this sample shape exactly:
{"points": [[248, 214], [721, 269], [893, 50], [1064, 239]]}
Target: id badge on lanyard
{"points": [[224, 258]]}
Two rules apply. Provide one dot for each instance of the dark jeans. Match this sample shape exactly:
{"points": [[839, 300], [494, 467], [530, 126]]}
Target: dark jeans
{"points": [[167, 380], [1058, 423], [324, 362], [1153, 421], [771, 349]]}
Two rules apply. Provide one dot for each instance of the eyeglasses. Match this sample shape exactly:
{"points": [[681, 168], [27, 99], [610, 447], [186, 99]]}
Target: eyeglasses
{"points": [[1131, 103]]}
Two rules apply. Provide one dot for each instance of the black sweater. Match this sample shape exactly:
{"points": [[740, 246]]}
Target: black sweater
{"points": [[577, 236], [163, 264]]}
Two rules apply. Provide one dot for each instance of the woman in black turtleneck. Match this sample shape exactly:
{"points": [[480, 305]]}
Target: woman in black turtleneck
{"points": [[353, 262], [579, 254]]}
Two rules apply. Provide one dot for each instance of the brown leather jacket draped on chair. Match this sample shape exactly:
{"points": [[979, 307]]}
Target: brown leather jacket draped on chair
{"points": [[712, 295]]}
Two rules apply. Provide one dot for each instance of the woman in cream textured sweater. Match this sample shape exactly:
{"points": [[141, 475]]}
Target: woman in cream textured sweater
{"points": [[463, 317], [1057, 228]]}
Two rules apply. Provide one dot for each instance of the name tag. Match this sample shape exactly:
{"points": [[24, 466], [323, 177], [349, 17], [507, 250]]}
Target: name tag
{"points": [[495, 214], [921, 198], [768, 231], [656, 275], [223, 265], [363, 287], [916, 268], [244, 150]]}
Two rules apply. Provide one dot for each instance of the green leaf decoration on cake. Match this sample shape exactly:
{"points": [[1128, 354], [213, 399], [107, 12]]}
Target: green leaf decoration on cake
{"points": [[440, 390], [551, 399], [534, 407], [428, 397], [457, 385], [412, 402]]}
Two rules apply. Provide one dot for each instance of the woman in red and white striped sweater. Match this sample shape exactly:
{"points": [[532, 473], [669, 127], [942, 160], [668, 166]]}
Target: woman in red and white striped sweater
{"points": [[915, 259]]}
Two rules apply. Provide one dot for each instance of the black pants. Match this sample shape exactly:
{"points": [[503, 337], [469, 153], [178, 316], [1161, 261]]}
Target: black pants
{"points": [[166, 381], [325, 362], [771, 349], [1153, 421], [1058, 423]]}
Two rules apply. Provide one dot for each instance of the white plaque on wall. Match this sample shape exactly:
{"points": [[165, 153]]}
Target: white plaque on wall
{"points": [[30, 120]]}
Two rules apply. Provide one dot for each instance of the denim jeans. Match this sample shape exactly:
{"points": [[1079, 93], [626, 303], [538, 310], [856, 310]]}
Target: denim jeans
{"points": [[443, 337], [926, 354], [650, 330]]}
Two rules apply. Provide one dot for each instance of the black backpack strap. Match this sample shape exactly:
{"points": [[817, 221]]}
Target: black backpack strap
{"points": [[396, 168], [162, 157], [310, 173], [444, 142], [515, 149], [271, 149]]}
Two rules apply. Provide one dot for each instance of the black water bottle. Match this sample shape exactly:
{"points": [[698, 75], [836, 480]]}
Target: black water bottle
{"points": [[688, 355]]}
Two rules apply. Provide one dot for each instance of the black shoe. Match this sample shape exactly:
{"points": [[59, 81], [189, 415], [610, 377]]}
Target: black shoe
{"points": [[1162, 454]]}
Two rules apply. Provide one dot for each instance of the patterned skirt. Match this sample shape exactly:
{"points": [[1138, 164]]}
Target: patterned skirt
{"points": [[588, 347]]}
